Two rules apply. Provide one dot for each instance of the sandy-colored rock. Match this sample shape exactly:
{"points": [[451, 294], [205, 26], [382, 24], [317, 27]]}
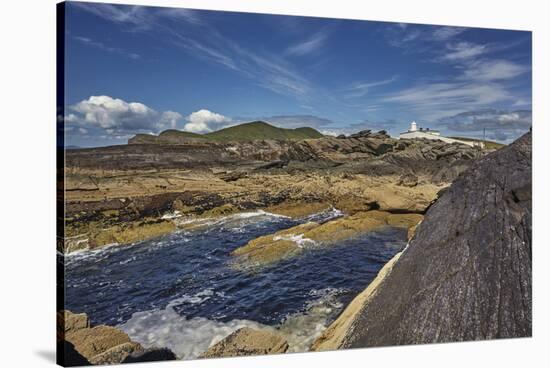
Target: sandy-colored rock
{"points": [[358, 224], [274, 247], [117, 354], [285, 243], [247, 341], [93, 341], [72, 322], [299, 209]]}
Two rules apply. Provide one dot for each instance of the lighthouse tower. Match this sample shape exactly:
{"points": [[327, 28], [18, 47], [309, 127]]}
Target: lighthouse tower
{"points": [[413, 127]]}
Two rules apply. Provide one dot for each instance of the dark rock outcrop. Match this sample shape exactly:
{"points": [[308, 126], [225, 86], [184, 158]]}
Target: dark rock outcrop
{"points": [[466, 274], [151, 355], [68, 356]]}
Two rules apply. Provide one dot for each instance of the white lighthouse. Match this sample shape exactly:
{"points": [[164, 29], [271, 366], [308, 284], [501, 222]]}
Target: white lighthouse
{"points": [[413, 127]]}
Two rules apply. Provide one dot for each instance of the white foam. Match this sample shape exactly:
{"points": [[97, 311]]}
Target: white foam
{"points": [[188, 338], [298, 239], [95, 254], [230, 221], [330, 214]]}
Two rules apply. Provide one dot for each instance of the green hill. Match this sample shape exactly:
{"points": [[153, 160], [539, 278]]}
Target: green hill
{"points": [[255, 130], [262, 130]]}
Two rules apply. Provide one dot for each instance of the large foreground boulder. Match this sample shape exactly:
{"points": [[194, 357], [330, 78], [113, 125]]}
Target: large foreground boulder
{"points": [[466, 274], [247, 341], [80, 344]]}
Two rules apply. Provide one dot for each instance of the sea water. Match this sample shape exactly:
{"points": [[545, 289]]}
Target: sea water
{"points": [[183, 291]]}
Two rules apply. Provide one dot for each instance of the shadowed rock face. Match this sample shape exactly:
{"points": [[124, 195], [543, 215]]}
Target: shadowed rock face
{"points": [[466, 274]]}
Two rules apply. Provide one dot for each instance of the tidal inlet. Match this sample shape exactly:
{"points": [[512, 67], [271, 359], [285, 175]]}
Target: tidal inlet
{"points": [[317, 184]]}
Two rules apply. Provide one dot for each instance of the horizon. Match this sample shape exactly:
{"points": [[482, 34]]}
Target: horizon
{"points": [[142, 69]]}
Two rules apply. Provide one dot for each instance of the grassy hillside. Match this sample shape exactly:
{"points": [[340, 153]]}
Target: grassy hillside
{"points": [[488, 144], [262, 130], [243, 132]]}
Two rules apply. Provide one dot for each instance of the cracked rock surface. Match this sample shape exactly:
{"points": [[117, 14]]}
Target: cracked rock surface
{"points": [[466, 274]]}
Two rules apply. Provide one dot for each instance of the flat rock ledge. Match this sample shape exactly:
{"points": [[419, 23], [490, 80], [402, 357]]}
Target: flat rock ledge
{"points": [[82, 344], [467, 273], [247, 341], [289, 242]]}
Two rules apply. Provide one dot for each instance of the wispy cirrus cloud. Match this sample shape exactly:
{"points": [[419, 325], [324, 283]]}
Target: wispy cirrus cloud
{"points": [[308, 46], [408, 37], [492, 70], [463, 50], [360, 89], [266, 69], [101, 46]]}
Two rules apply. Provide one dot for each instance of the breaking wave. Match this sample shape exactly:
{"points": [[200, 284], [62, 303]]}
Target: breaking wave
{"points": [[188, 338]]}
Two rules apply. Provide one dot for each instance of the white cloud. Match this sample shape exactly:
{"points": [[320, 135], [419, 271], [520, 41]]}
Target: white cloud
{"points": [[204, 121], [117, 116]]}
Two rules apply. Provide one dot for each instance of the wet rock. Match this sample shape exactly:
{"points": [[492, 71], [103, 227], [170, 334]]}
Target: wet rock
{"points": [[131, 232], [289, 242], [358, 224], [466, 274], [247, 341], [274, 247]]}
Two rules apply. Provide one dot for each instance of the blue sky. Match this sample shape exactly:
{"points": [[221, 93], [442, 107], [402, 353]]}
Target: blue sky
{"points": [[134, 69]]}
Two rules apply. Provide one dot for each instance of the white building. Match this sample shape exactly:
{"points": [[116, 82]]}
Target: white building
{"points": [[416, 132]]}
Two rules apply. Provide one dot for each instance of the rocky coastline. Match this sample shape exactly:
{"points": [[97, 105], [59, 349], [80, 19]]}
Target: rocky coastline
{"points": [[124, 194], [467, 213]]}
